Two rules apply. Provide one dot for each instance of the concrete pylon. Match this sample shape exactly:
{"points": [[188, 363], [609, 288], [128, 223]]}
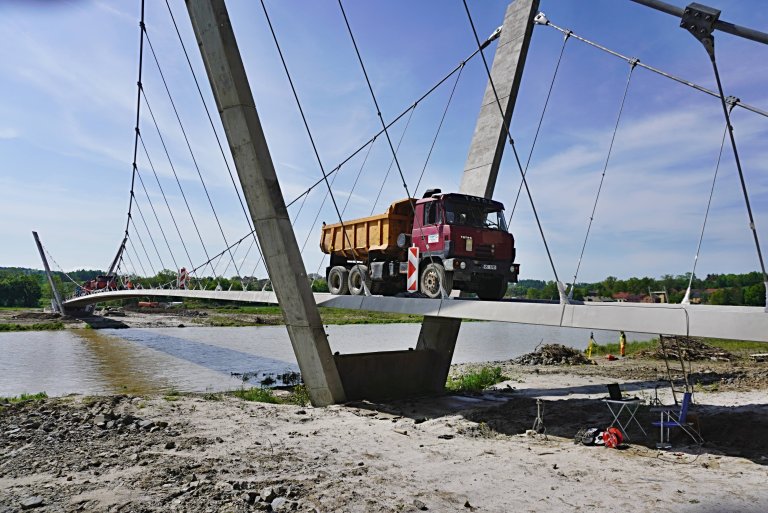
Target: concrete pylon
{"points": [[256, 171], [490, 137]]}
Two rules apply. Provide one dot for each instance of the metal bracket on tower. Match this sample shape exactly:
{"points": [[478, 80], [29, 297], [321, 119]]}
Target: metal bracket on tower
{"points": [[700, 21]]}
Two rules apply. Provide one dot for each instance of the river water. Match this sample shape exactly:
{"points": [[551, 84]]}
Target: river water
{"points": [[143, 361]]}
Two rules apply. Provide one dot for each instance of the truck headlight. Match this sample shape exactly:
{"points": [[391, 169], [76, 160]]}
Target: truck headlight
{"points": [[512, 269], [463, 265]]}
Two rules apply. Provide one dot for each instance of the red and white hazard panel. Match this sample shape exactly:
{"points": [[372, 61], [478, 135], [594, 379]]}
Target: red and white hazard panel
{"points": [[412, 284]]}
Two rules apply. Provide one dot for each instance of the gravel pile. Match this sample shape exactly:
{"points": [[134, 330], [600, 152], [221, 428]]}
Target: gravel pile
{"points": [[553, 354], [691, 349]]}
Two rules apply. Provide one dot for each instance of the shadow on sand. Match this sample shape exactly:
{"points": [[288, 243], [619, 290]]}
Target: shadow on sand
{"points": [[732, 431]]}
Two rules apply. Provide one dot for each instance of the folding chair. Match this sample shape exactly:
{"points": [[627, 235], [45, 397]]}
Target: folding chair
{"points": [[675, 417]]}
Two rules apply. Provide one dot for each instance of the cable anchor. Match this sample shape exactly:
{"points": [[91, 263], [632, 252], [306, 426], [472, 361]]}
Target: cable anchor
{"points": [[541, 19], [700, 21]]}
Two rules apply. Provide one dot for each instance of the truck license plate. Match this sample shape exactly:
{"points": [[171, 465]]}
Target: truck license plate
{"points": [[489, 267]]}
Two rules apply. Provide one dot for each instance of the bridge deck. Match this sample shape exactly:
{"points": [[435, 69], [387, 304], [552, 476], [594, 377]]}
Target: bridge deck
{"points": [[729, 322]]}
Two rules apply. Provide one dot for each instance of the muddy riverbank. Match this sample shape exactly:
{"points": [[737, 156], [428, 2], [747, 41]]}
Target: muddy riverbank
{"points": [[110, 318], [214, 452]]}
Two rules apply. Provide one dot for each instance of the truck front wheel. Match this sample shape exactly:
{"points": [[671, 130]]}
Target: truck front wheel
{"points": [[337, 280], [432, 278]]}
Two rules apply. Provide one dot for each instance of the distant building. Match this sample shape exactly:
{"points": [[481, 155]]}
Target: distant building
{"points": [[628, 297]]}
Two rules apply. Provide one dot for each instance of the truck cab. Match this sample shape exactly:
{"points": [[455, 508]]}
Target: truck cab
{"points": [[463, 244]]}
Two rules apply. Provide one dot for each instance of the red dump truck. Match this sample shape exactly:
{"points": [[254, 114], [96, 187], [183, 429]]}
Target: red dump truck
{"points": [[455, 241]]}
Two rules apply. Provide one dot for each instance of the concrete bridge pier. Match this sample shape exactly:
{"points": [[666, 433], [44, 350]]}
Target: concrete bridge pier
{"points": [[234, 99]]}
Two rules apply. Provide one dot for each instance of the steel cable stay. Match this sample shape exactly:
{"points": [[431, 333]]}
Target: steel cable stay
{"points": [[632, 64], [687, 298], [235, 248], [167, 204], [136, 254], [539, 20], [55, 263], [439, 127], [322, 204], [191, 152], [134, 269], [135, 141], [248, 219], [141, 265], [143, 247], [146, 227], [652, 69], [432, 89], [392, 162], [314, 147], [444, 294], [175, 175], [729, 127], [157, 219], [343, 210], [511, 141]]}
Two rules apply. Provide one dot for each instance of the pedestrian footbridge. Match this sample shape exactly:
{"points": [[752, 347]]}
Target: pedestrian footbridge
{"points": [[729, 322]]}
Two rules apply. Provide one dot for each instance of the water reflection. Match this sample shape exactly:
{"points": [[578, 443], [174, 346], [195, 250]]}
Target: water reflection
{"points": [[121, 366], [143, 361]]}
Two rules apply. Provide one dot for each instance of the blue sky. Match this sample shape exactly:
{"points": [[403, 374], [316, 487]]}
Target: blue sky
{"points": [[68, 113]]}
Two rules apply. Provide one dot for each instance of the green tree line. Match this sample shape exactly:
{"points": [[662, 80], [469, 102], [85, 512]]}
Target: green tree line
{"points": [[715, 289]]}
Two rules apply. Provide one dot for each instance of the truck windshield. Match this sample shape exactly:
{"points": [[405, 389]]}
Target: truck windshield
{"points": [[476, 216]]}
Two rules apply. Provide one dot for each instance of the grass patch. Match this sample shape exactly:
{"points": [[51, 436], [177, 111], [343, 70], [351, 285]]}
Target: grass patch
{"points": [[220, 321], [23, 398], [38, 326], [476, 381], [259, 395], [172, 395], [631, 347], [299, 396], [329, 316], [735, 346]]}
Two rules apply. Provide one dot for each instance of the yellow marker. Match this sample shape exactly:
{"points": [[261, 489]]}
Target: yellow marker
{"points": [[591, 345]]}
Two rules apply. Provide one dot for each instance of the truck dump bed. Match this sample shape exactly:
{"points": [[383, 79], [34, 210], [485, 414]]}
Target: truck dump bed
{"points": [[369, 234]]}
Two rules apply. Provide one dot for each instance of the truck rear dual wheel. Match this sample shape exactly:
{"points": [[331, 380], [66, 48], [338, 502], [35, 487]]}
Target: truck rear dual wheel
{"points": [[432, 278], [492, 290], [358, 276], [338, 280]]}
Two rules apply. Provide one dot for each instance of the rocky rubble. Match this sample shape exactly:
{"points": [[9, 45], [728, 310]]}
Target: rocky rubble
{"points": [[553, 354], [75, 456], [689, 349]]}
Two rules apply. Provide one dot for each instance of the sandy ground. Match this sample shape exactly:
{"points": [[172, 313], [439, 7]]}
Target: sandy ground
{"points": [[453, 453]]}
